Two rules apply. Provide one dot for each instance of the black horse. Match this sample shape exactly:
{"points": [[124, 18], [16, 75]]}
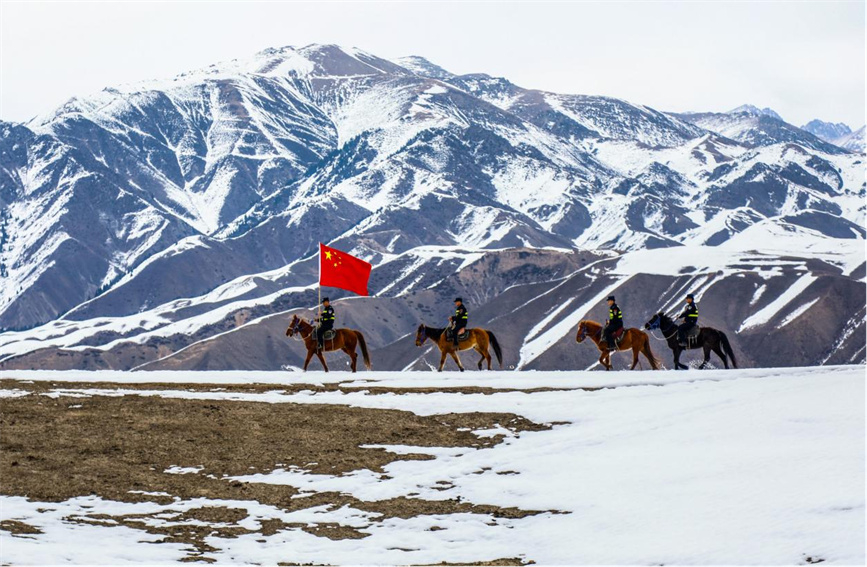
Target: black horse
{"points": [[709, 339]]}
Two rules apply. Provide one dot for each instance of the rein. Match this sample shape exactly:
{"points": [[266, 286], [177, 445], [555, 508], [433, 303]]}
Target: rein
{"points": [[661, 330], [298, 332]]}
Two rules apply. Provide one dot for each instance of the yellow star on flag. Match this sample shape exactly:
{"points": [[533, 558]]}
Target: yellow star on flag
{"points": [[327, 254]]}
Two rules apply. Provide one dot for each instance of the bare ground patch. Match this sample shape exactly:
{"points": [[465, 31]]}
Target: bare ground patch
{"points": [[53, 449]]}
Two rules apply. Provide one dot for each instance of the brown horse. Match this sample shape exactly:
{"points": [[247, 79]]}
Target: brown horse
{"points": [[344, 339], [634, 339], [478, 340]]}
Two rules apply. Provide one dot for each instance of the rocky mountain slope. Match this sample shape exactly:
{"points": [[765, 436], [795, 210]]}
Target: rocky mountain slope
{"points": [[159, 216]]}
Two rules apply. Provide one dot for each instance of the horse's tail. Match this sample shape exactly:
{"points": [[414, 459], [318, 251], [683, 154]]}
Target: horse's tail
{"points": [[654, 362], [363, 344], [728, 348], [496, 346]]}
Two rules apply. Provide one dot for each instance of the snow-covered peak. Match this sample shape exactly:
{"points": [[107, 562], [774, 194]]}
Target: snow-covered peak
{"points": [[423, 67], [828, 131], [853, 141], [753, 110]]}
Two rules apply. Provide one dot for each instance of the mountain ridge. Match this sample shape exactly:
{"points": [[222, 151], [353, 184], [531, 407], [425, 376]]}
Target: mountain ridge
{"points": [[141, 197]]}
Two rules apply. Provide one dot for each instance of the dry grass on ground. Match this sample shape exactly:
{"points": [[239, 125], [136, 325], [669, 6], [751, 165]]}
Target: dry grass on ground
{"points": [[56, 448]]}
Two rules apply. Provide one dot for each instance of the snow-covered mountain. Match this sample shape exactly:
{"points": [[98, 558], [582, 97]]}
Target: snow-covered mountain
{"points": [[754, 110], [828, 131], [854, 141], [838, 134], [194, 204]]}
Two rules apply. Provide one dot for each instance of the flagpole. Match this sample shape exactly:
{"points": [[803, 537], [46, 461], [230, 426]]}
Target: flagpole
{"points": [[319, 306]]}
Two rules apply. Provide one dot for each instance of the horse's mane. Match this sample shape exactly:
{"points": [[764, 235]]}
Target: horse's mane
{"points": [[590, 323], [433, 332], [663, 318]]}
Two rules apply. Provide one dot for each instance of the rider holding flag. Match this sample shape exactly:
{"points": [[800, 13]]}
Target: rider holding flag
{"points": [[326, 321]]}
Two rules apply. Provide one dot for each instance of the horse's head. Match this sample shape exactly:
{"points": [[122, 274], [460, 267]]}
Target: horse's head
{"points": [[582, 332], [659, 321], [420, 336], [587, 328], [654, 322], [294, 326]]}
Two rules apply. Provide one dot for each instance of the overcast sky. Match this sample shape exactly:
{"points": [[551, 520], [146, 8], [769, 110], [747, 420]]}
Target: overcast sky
{"points": [[805, 60]]}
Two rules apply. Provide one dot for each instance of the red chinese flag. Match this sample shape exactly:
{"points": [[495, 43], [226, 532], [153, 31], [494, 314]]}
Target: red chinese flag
{"points": [[339, 269]]}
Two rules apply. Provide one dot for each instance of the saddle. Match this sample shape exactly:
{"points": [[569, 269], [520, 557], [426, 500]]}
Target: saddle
{"points": [[617, 336], [691, 335], [450, 334], [329, 335]]}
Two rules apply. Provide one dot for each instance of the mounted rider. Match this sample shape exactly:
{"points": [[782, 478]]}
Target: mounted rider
{"points": [[458, 322], [615, 323], [326, 321], [690, 319]]}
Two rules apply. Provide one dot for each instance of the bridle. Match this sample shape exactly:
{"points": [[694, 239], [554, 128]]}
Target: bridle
{"points": [[582, 332], [295, 327], [658, 325], [422, 332]]}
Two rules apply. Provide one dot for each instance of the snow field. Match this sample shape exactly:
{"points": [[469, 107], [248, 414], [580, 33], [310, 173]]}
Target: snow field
{"points": [[761, 466]]}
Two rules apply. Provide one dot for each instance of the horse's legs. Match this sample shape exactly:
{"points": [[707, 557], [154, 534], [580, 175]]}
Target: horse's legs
{"points": [[605, 359], [352, 356], [645, 349], [635, 350], [322, 360], [307, 360], [481, 360], [706, 357], [457, 360], [442, 360], [485, 349], [677, 364], [719, 352]]}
